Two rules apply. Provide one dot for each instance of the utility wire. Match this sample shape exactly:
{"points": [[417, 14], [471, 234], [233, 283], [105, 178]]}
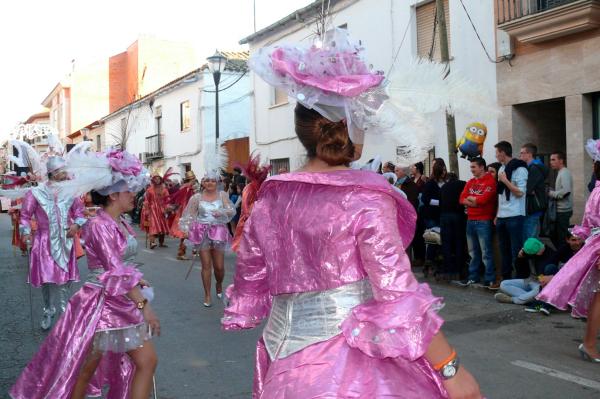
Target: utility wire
{"points": [[504, 58], [401, 43], [435, 23], [225, 88]]}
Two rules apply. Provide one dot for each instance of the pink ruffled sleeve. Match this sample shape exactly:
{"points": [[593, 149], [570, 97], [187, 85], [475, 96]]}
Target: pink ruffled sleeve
{"points": [[103, 244], [591, 217], [402, 318], [249, 297], [28, 208], [76, 212]]}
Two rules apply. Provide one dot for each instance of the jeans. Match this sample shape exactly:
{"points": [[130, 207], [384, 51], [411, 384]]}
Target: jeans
{"points": [[479, 240], [561, 228], [521, 291], [510, 235], [452, 227], [531, 226]]}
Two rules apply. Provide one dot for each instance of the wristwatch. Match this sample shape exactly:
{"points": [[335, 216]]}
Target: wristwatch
{"points": [[450, 369], [141, 304]]}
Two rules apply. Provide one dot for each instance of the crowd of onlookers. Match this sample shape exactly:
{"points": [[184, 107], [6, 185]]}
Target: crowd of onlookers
{"points": [[505, 229]]}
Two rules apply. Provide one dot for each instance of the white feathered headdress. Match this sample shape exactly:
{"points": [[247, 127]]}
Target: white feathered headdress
{"points": [[28, 157], [215, 161]]}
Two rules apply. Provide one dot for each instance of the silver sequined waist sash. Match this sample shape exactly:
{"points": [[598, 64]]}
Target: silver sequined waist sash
{"points": [[93, 275], [302, 319]]}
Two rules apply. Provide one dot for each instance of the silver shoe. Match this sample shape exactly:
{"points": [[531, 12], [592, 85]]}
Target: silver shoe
{"points": [[47, 318], [586, 356]]}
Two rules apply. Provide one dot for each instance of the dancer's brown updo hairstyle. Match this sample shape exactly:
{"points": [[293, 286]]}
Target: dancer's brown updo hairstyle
{"points": [[323, 139]]}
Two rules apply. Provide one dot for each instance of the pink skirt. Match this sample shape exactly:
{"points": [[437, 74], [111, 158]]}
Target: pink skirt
{"points": [[332, 369], [206, 236]]}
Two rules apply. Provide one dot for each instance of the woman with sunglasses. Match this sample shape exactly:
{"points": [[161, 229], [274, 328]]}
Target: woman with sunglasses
{"points": [[204, 223]]}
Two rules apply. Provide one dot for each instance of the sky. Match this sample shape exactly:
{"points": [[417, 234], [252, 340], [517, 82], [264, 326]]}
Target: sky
{"points": [[40, 38]]}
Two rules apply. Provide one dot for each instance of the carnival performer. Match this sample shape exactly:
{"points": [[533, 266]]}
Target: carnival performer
{"points": [[256, 174], [104, 337], [204, 222], [154, 219], [179, 201], [323, 254], [53, 261], [577, 283], [9, 184]]}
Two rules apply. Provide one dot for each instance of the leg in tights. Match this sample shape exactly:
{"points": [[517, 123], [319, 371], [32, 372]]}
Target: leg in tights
{"points": [[592, 327], [218, 258], [86, 374], [206, 260]]}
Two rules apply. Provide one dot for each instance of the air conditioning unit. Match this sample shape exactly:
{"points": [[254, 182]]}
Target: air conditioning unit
{"points": [[504, 43]]}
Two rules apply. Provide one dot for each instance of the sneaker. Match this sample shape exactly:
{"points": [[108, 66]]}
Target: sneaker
{"points": [[466, 283], [492, 286], [533, 308], [503, 298], [545, 311]]}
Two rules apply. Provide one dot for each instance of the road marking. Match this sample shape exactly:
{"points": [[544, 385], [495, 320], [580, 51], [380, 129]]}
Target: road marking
{"points": [[558, 374]]}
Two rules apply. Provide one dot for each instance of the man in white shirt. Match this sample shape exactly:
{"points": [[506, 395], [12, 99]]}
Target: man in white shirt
{"points": [[512, 187]]}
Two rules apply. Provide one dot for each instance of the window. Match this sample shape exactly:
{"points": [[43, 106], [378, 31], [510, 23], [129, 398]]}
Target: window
{"points": [[186, 167], [98, 143], [184, 116], [427, 30], [596, 115], [280, 166], [278, 97]]}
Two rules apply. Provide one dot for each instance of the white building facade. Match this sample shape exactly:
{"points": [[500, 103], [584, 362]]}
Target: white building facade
{"points": [[390, 30], [174, 127]]}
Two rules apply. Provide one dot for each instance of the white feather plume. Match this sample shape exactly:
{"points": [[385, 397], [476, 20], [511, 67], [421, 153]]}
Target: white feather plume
{"points": [[14, 193], [424, 86], [55, 147], [79, 148], [88, 171], [28, 157], [216, 158]]}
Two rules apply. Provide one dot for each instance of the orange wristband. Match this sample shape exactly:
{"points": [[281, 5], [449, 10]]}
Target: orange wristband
{"points": [[440, 365]]}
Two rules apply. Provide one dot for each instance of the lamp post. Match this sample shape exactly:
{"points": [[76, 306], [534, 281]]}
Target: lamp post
{"points": [[84, 132], [216, 64]]}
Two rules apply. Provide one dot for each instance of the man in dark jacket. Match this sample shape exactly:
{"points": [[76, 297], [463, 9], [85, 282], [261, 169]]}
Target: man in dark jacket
{"points": [[536, 198], [407, 185], [453, 225]]}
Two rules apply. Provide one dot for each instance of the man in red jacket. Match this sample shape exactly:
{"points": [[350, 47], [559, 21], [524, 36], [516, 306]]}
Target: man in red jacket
{"points": [[479, 196]]}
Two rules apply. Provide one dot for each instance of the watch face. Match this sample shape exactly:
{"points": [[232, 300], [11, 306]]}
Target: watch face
{"points": [[449, 371]]}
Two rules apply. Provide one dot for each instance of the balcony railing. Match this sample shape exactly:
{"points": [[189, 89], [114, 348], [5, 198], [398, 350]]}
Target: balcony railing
{"points": [[509, 10], [154, 147]]}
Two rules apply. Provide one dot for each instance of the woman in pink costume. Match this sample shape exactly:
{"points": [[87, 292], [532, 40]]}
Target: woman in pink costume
{"points": [[103, 338], [577, 284], [204, 223]]}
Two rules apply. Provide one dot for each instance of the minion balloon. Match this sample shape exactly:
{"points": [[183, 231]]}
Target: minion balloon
{"points": [[471, 143]]}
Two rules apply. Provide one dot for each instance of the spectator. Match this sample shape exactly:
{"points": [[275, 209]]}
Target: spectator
{"points": [[418, 244], [238, 178], [545, 264], [479, 196], [453, 228], [535, 198], [512, 186], [405, 183], [388, 171], [562, 195], [493, 169], [431, 206]]}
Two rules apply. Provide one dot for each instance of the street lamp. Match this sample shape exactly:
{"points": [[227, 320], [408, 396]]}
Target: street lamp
{"points": [[216, 64], [84, 131]]}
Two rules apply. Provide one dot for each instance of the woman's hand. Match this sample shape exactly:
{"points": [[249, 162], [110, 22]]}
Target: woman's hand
{"points": [[73, 229], [143, 283], [462, 386], [151, 319]]}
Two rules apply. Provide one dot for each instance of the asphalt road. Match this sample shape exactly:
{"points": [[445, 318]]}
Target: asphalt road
{"points": [[513, 354]]}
